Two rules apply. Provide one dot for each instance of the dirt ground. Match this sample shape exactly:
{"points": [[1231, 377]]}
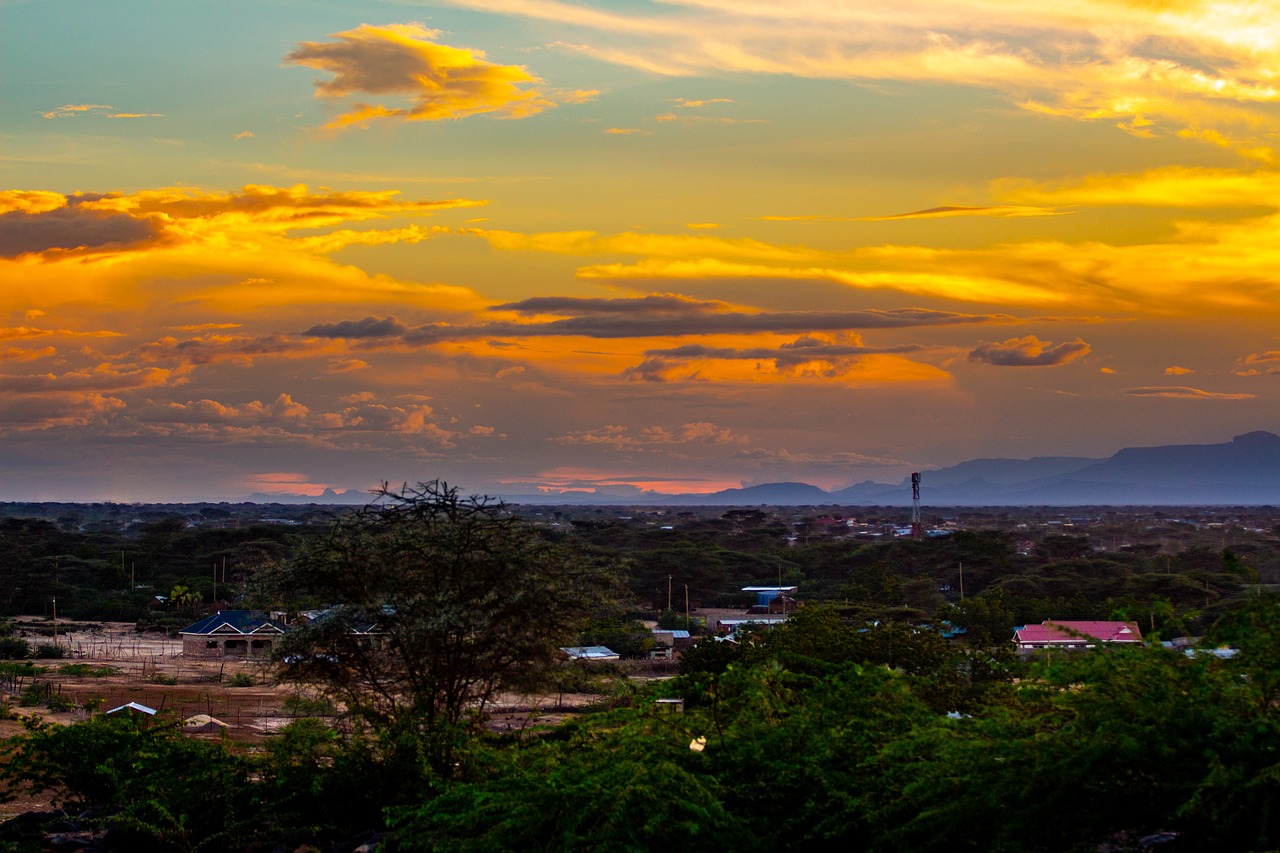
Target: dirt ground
{"points": [[150, 669]]}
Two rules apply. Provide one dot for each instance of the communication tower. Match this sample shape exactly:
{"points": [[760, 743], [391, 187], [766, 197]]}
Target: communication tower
{"points": [[917, 527]]}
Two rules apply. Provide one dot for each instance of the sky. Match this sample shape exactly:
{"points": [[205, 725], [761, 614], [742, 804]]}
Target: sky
{"points": [[282, 246]]}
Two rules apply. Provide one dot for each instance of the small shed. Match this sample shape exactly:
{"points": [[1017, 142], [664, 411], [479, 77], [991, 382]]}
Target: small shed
{"points": [[766, 594], [591, 653]]}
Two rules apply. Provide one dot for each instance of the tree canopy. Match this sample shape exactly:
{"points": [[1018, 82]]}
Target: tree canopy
{"points": [[431, 602]]}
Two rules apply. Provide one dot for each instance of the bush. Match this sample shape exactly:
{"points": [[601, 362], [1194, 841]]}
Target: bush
{"points": [[18, 669], [161, 678], [35, 693], [14, 648], [241, 679], [50, 651], [84, 670], [57, 702]]}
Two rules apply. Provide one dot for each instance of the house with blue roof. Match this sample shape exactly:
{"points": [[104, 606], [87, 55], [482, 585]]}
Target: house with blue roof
{"points": [[232, 635]]}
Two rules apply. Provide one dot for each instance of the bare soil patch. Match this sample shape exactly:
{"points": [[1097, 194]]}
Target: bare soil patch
{"points": [[109, 664]]}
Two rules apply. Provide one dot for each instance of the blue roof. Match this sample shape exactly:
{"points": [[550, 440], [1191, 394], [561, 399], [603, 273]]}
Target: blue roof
{"points": [[235, 622]]}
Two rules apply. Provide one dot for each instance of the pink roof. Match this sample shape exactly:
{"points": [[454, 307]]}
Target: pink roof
{"points": [[1063, 632]]}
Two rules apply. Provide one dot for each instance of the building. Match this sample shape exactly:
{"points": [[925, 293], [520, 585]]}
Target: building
{"points": [[591, 653], [1064, 634], [232, 635]]}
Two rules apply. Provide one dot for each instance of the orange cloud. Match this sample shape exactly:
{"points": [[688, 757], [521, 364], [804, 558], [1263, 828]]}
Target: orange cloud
{"points": [[102, 378], [19, 354], [441, 82], [283, 483], [1182, 392], [1257, 363], [1177, 371]]}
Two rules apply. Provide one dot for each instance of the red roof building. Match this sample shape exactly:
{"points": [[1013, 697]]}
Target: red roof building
{"points": [[1062, 634]]}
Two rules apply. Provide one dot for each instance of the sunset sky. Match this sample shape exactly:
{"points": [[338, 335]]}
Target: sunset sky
{"points": [[277, 247]]}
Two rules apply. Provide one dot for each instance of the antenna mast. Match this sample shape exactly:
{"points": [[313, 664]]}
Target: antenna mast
{"points": [[917, 528]]}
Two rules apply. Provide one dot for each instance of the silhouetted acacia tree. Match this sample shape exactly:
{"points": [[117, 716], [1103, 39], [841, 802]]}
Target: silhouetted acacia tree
{"points": [[433, 602]]}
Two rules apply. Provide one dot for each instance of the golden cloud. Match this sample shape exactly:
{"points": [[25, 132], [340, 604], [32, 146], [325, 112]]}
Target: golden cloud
{"points": [[441, 82], [949, 211], [1171, 186], [1188, 66], [1182, 392], [226, 250]]}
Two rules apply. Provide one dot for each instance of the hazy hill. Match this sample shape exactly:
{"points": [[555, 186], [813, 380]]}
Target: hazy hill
{"points": [[1245, 470]]}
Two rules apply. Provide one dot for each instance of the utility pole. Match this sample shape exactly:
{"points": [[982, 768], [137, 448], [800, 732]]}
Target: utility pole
{"points": [[670, 606], [962, 580], [686, 607], [55, 620]]}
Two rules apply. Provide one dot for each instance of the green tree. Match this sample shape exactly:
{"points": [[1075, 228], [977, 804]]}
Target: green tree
{"points": [[436, 602]]}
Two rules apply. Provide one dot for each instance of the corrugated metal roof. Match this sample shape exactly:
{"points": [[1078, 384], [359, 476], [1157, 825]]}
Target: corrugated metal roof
{"points": [[1071, 632], [590, 652], [235, 622]]}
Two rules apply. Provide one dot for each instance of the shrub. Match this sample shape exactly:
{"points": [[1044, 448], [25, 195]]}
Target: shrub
{"points": [[57, 702], [50, 651], [84, 670], [35, 693], [241, 679], [161, 678], [14, 648]]}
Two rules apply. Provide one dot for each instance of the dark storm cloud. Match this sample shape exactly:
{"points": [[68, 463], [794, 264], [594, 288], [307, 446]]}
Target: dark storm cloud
{"points": [[580, 306], [69, 227], [1029, 352], [796, 352], [369, 327], [666, 316]]}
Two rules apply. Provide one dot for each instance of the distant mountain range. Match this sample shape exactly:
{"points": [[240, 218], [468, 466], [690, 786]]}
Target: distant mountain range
{"points": [[1245, 470]]}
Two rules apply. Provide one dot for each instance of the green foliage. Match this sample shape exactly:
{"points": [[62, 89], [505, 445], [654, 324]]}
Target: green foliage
{"points": [[628, 637], [49, 651], [18, 669], [14, 648], [241, 679], [670, 620], [84, 670], [633, 785], [157, 788], [460, 597]]}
